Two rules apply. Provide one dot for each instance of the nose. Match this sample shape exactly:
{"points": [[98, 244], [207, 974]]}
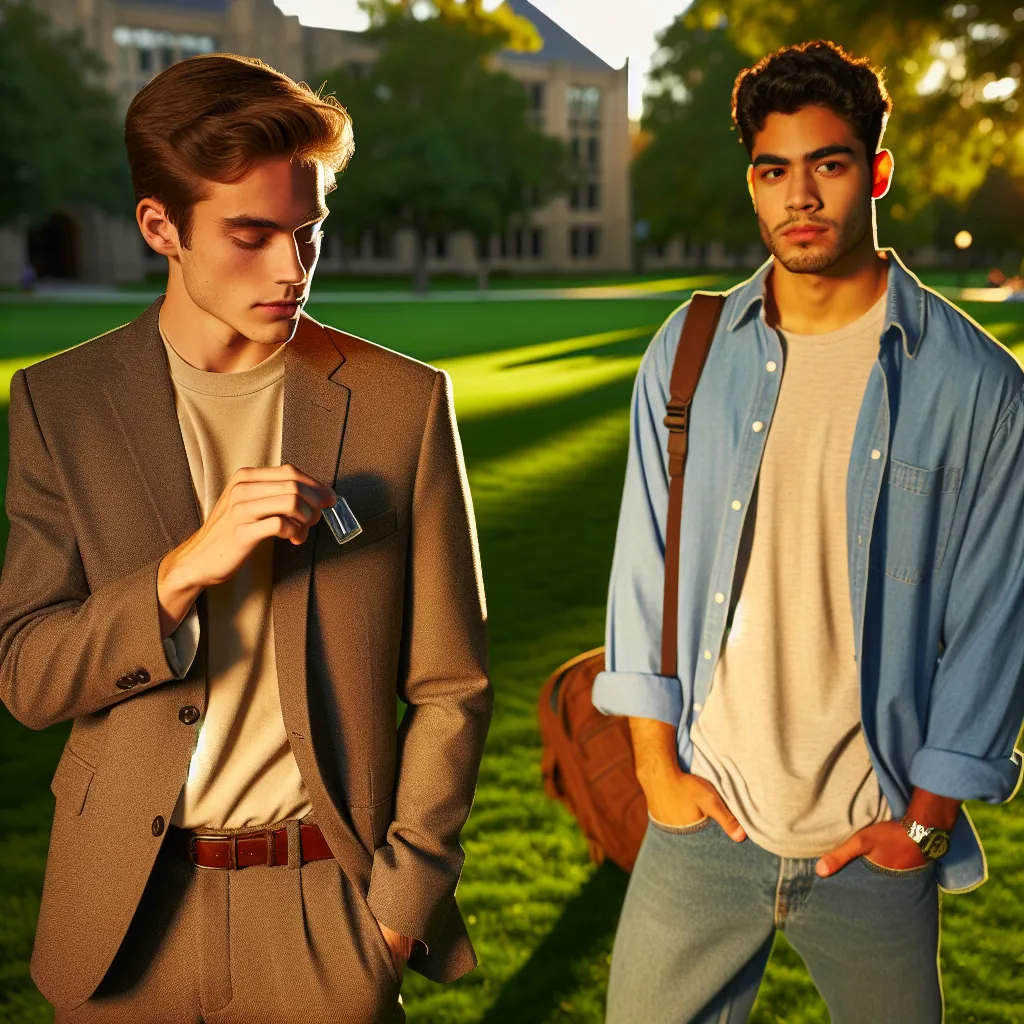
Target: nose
{"points": [[802, 195], [289, 268]]}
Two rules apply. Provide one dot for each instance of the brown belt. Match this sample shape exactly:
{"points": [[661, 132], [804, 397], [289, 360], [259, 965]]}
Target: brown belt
{"points": [[242, 851]]}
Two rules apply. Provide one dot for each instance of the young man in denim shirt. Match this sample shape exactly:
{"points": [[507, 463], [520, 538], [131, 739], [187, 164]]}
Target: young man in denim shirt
{"points": [[851, 596]]}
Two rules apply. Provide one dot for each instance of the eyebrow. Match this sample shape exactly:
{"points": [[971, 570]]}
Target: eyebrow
{"points": [[248, 220], [818, 154]]}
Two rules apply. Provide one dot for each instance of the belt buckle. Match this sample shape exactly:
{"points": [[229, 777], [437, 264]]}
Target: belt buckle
{"points": [[232, 851]]}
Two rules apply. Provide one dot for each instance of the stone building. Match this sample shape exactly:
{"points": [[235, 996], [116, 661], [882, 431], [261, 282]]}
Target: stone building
{"points": [[573, 94]]}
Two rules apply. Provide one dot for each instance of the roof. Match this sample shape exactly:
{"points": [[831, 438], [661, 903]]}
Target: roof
{"points": [[559, 45]]}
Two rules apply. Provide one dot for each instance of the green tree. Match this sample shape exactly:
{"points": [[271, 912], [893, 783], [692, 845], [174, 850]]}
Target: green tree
{"points": [[442, 139], [953, 70], [689, 180], [60, 139]]}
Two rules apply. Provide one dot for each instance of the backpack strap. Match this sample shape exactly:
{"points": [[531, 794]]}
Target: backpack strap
{"points": [[694, 344]]}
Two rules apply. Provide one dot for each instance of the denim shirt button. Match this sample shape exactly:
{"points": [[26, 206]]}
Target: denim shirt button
{"points": [[876, 454]]}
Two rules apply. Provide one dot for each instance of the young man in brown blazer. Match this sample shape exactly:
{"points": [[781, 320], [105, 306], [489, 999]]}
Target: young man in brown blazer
{"points": [[241, 833]]}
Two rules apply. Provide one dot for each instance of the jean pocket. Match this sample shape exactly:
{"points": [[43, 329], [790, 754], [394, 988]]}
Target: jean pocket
{"points": [[680, 830], [914, 518], [880, 869]]}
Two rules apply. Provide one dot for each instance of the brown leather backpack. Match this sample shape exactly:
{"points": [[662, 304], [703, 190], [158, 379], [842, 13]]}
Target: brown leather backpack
{"points": [[587, 760]]}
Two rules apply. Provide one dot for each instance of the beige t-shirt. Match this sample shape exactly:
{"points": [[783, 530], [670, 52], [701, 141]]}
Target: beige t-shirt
{"points": [[243, 772], [780, 734]]}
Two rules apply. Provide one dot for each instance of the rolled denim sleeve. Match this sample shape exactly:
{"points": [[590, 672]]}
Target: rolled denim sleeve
{"points": [[977, 700], [632, 684]]}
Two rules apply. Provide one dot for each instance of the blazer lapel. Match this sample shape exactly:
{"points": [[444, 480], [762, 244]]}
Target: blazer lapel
{"points": [[141, 396], [315, 410]]}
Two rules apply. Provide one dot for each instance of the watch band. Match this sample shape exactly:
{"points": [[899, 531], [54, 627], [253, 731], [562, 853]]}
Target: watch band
{"points": [[933, 842]]}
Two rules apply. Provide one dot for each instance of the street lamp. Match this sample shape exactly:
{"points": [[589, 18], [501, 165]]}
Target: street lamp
{"points": [[963, 241]]}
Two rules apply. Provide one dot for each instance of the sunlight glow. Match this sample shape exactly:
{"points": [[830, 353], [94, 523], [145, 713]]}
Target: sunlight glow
{"points": [[493, 383], [1002, 89]]}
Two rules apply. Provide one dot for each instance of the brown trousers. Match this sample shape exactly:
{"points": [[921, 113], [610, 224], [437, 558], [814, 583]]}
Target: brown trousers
{"points": [[258, 945]]}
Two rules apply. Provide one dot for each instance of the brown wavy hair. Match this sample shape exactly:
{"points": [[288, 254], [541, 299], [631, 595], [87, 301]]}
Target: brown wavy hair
{"points": [[212, 117]]}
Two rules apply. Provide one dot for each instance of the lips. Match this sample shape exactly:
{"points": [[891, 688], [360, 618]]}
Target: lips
{"points": [[803, 232], [284, 308]]}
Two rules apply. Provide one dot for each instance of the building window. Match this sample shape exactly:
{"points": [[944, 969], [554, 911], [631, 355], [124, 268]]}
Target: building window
{"points": [[584, 243], [535, 104], [537, 243], [145, 51], [440, 247], [584, 103], [593, 152], [593, 196]]}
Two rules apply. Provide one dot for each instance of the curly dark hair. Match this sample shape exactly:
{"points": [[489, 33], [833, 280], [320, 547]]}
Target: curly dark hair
{"points": [[817, 73]]}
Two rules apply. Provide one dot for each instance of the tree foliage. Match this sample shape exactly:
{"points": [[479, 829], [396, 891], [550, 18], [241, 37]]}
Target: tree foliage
{"points": [[953, 70], [443, 143], [689, 180], [60, 139]]}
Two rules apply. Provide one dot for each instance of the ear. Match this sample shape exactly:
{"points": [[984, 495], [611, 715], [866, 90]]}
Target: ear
{"points": [[750, 185], [881, 173], [159, 233]]}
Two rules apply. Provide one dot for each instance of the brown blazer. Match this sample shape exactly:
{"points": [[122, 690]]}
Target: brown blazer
{"points": [[99, 491]]}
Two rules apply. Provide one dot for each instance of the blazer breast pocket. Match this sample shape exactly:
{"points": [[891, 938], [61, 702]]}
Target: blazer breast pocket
{"points": [[71, 782], [913, 521], [375, 528]]}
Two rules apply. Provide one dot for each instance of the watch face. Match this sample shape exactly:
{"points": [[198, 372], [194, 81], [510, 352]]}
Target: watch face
{"points": [[935, 844]]}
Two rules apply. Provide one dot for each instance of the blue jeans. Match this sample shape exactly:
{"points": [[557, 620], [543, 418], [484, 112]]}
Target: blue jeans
{"points": [[700, 915]]}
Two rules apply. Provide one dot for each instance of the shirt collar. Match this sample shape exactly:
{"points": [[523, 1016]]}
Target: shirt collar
{"points": [[905, 304]]}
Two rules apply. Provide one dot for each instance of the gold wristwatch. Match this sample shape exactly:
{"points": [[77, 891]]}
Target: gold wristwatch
{"points": [[933, 842]]}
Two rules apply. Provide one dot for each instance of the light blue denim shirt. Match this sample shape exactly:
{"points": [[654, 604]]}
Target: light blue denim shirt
{"points": [[935, 535]]}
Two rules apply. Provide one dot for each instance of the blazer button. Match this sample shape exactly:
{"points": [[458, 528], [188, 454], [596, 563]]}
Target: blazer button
{"points": [[158, 825], [126, 682], [188, 714], [141, 675]]}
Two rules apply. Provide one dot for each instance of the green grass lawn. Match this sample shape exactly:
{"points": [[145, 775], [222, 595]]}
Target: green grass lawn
{"points": [[542, 391]]}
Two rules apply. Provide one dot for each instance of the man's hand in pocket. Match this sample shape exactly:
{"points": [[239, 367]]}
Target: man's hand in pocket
{"points": [[400, 946], [673, 796]]}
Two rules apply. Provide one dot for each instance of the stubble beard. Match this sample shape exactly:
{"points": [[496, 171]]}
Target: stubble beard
{"points": [[810, 257]]}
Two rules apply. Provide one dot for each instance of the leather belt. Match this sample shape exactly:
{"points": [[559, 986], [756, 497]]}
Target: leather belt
{"points": [[228, 852]]}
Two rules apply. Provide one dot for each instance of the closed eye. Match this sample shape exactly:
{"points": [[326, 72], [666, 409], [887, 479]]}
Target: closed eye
{"points": [[315, 236]]}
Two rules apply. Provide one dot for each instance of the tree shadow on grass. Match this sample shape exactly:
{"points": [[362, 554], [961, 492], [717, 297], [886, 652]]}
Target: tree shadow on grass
{"points": [[551, 974]]}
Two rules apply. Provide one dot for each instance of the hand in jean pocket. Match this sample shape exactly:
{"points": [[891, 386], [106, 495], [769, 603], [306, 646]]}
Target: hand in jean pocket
{"points": [[885, 844]]}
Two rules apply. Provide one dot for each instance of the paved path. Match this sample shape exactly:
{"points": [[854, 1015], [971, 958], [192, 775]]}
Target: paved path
{"points": [[673, 288]]}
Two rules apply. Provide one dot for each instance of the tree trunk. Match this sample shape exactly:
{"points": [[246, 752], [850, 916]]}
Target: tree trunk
{"points": [[483, 275], [483, 263], [420, 276]]}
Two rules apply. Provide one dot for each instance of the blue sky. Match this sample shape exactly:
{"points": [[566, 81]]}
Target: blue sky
{"points": [[614, 30]]}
